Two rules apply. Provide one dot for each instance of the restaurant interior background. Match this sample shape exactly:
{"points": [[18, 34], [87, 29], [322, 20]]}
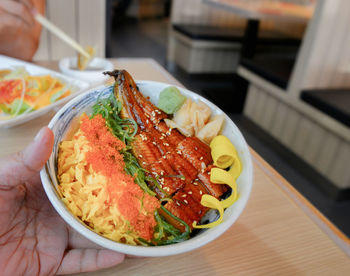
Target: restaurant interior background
{"points": [[280, 70]]}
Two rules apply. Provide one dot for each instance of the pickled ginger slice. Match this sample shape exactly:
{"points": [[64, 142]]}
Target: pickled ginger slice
{"points": [[211, 129]]}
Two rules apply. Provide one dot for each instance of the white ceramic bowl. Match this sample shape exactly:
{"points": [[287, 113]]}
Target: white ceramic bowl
{"points": [[92, 74], [60, 125]]}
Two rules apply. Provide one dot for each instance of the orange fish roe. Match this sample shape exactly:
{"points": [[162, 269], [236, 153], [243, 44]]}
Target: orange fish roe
{"points": [[133, 203]]}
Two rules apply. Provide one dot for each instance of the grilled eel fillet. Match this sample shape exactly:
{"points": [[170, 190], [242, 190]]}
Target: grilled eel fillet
{"points": [[181, 165]]}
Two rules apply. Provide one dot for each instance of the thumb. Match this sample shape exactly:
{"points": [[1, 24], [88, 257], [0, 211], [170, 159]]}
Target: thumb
{"points": [[23, 166]]}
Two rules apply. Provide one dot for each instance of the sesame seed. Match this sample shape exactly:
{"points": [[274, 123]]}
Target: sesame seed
{"points": [[140, 156], [184, 195], [161, 137], [166, 144], [143, 163], [164, 134], [200, 192], [196, 179], [195, 221], [147, 121], [195, 183], [208, 173], [177, 203], [185, 201], [190, 192], [154, 143], [201, 158]]}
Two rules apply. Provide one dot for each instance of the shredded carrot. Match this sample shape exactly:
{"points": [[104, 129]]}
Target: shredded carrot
{"points": [[10, 90], [133, 203]]}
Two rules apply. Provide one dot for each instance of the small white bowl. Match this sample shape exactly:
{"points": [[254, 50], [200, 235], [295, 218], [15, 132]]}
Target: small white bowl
{"points": [[92, 74], [61, 125]]}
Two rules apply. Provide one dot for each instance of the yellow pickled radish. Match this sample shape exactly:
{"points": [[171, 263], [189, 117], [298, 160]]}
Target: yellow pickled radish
{"points": [[220, 176], [211, 202], [236, 168], [83, 61], [222, 151]]}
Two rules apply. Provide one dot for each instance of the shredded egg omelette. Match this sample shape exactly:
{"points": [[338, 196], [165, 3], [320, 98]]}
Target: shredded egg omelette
{"points": [[113, 207]]}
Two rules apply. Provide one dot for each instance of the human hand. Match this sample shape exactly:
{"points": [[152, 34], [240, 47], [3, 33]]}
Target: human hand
{"points": [[19, 33], [34, 239]]}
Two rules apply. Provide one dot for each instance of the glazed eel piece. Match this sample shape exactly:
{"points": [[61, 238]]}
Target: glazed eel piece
{"points": [[181, 165]]}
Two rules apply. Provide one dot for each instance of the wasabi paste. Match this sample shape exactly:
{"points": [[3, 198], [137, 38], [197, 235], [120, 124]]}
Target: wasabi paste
{"points": [[170, 100]]}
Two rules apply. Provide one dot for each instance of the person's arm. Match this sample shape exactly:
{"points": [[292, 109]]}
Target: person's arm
{"points": [[19, 32]]}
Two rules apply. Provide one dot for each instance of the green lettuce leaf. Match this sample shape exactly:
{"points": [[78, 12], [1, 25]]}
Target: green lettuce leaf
{"points": [[5, 108], [57, 95], [15, 105], [17, 73]]}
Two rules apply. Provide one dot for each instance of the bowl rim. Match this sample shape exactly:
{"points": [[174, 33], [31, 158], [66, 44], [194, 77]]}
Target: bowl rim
{"points": [[63, 64], [154, 251]]}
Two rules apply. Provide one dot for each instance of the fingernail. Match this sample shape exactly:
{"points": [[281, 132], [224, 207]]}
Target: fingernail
{"points": [[34, 10], [39, 135]]}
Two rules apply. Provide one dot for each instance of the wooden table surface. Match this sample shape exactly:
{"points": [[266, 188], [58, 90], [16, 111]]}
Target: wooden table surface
{"points": [[279, 232]]}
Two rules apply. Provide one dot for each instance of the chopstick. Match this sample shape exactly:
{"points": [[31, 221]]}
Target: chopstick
{"points": [[60, 34]]}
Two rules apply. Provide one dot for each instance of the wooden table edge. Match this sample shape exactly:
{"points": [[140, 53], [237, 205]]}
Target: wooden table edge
{"points": [[309, 209]]}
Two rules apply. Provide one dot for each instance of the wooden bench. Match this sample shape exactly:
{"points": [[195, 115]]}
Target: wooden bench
{"points": [[275, 68], [333, 102], [213, 49], [313, 127]]}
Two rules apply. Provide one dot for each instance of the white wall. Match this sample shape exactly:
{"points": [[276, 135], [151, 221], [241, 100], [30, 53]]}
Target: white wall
{"points": [[83, 20], [325, 52]]}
